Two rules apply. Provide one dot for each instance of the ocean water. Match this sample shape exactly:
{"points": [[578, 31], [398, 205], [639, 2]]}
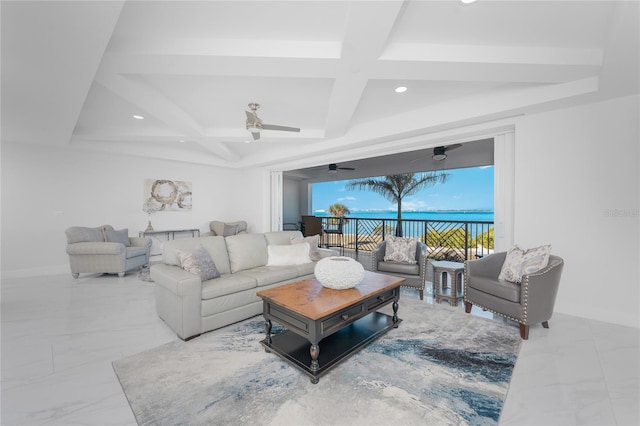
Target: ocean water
{"points": [[454, 215]]}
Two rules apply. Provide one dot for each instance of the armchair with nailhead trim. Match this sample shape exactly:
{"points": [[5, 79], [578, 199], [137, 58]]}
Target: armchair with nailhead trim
{"points": [[529, 302]]}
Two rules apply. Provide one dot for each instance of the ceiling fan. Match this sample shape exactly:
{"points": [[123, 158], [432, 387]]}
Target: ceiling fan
{"points": [[440, 152], [333, 168], [255, 125]]}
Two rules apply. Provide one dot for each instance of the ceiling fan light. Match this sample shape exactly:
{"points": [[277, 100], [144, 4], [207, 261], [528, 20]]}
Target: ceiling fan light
{"points": [[401, 89], [254, 129], [439, 157], [333, 171]]}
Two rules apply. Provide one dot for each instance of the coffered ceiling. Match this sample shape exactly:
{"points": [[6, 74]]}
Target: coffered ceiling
{"points": [[75, 73]]}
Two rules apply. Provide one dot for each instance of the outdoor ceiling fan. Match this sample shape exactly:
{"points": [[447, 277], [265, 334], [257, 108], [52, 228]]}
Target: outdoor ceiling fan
{"points": [[333, 168], [440, 152], [255, 125]]}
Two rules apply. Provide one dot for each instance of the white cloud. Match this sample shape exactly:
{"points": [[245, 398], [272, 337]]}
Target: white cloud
{"points": [[347, 199]]}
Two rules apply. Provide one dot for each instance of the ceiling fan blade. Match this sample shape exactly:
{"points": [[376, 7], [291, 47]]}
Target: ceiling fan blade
{"points": [[256, 135], [452, 147], [283, 128], [346, 168]]}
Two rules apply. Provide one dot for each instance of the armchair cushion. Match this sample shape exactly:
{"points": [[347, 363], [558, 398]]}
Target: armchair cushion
{"points": [[520, 262], [197, 261], [218, 228], [399, 268], [399, 249], [121, 236]]}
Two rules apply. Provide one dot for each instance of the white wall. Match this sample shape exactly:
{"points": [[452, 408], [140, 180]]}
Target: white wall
{"points": [[46, 190], [577, 188]]}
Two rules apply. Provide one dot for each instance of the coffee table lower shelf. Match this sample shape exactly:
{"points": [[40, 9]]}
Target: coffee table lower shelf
{"points": [[334, 348]]}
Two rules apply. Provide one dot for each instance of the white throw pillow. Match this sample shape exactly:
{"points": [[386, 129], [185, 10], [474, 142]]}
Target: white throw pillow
{"points": [[399, 249], [293, 254], [313, 242], [520, 262]]}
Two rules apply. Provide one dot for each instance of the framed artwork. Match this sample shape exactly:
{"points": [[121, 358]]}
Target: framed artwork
{"points": [[166, 195]]}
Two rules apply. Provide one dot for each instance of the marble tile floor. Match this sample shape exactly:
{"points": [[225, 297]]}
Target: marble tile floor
{"points": [[60, 335]]}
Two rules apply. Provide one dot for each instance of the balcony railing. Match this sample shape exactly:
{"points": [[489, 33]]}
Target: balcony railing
{"points": [[445, 239]]}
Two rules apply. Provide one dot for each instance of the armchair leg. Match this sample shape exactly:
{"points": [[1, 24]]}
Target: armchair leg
{"points": [[545, 324], [75, 275], [467, 307], [421, 294], [121, 274], [524, 332]]}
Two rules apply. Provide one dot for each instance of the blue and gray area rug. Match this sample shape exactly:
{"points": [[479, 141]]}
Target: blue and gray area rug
{"points": [[441, 366]]}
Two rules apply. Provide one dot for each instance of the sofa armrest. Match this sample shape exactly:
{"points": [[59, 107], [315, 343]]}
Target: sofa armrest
{"points": [[96, 248], [176, 280], [140, 241]]}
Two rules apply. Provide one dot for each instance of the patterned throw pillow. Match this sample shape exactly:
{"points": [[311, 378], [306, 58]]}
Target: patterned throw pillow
{"points": [[197, 261], [399, 249], [313, 242], [520, 262]]}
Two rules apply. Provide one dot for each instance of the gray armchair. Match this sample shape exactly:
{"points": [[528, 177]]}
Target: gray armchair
{"points": [[104, 250], [529, 302], [414, 274]]}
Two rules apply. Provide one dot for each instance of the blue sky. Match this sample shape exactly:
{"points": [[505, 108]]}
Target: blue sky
{"points": [[466, 189]]}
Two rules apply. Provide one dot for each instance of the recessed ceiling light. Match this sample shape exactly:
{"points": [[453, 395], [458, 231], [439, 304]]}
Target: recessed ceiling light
{"points": [[181, 141], [467, 1], [138, 117], [401, 89], [247, 141]]}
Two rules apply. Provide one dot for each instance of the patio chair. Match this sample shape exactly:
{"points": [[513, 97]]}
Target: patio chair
{"points": [[333, 235], [529, 302]]}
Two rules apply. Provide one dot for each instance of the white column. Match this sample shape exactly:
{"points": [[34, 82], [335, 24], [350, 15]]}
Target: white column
{"points": [[503, 190], [276, 201]]}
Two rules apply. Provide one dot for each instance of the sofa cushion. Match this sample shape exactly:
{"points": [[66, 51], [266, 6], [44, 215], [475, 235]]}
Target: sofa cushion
{"points": [[306, 268], [199, 262], [82, 234], [226, 284], [520, 262], [246, 251], [281, 238], [121, 236], [216, 247], [265, 275], [294, 254], [313, 242]]}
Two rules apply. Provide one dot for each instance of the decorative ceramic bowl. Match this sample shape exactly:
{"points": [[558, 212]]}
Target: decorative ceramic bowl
{"points": [[339, 272]]}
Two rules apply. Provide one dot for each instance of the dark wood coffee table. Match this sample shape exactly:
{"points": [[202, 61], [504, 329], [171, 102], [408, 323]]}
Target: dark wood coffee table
{"points": [[325, 326]]}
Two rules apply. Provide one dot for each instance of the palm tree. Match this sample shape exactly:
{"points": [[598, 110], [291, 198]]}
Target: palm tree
{"points": [[338, 210], [395, 187]]}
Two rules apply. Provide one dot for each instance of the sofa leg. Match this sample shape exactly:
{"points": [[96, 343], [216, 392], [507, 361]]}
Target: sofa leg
{"points": [[467, 307], [75, 275], [121, 274], [524, 332], [545, 324], [421, 294]]}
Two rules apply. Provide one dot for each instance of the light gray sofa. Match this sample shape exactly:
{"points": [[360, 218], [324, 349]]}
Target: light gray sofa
{"points": [[191, 307], [104, 250]]}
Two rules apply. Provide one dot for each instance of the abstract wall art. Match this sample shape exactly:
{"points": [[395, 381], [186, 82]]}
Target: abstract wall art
{"points": [[167, 195]]}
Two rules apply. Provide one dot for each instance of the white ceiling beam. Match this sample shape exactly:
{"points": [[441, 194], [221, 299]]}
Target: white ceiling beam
{"points": [[368, 27], [116, 63], [417, 52], [230, 47]]}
